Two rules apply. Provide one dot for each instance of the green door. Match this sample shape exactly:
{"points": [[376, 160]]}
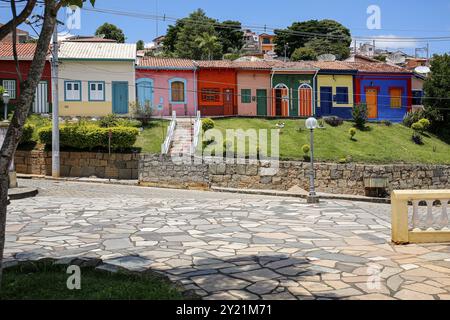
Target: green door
{"points": [[261, 102], [120, 97]]}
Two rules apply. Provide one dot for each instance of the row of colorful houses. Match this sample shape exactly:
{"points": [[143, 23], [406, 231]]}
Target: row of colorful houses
{"points": [[96, 79]]}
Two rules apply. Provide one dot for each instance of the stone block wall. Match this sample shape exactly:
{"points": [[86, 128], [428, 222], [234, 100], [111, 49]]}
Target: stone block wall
{"points": [[79, 164], [330, 177]]}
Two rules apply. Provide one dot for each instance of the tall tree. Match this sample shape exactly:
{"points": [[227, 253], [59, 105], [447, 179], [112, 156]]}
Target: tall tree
{"points": [[231, 36], [195, 26], [110, 31], [437, 93], [210, 45], [333, 36], [140, 45], [27, 93]]}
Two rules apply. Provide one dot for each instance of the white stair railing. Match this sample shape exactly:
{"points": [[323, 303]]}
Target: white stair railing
{"points": [[197, 131], [165, 147]]}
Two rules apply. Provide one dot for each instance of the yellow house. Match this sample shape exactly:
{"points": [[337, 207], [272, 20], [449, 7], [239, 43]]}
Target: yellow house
{"points": [[96, 79], [335, 89]]}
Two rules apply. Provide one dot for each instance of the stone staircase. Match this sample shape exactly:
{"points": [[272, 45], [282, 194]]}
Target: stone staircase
{"points": [[183, 137]]}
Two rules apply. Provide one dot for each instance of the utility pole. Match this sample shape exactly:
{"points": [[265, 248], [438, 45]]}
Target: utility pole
{"points": [[55, 102], [286, 46], [428, 53]]}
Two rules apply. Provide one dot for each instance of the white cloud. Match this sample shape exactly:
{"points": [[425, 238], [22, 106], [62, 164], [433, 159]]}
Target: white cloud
{"points": [[149, 45]]}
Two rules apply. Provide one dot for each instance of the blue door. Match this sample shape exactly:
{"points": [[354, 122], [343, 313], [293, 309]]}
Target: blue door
{"points": [[326, 100], [120, 97], [144, 89]]}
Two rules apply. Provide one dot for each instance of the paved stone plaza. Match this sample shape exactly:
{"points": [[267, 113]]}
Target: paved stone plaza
{"points": [[230, 246]]}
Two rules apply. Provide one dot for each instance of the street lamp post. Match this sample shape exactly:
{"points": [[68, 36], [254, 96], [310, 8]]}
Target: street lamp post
{"points": [[312, 124], [5, 98]]}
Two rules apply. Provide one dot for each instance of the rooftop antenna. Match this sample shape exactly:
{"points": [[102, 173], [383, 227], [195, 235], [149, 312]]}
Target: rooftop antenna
{"points": [[422, 70]]}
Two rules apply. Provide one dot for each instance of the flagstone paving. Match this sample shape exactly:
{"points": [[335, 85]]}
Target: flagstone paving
{"points": [[229, 246]]}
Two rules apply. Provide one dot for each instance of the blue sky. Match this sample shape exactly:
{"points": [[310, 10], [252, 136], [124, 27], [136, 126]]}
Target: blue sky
{"points": [[400, 18]]}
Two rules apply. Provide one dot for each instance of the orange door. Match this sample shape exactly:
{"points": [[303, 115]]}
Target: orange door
{"points": [[274, 103], [228, 99], [305, 102], [372, 102], [285, 102]]}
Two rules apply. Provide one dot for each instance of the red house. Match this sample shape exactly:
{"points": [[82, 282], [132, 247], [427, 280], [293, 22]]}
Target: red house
{"points": [[10, 80], [217, 88]]}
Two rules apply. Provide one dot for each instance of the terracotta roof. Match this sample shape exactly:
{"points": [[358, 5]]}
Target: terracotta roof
{"points": [[252, 65], [215, 64], [377, 67], [25, 51], [332, 65], [165, 63], [97, 50], [298, 65]]}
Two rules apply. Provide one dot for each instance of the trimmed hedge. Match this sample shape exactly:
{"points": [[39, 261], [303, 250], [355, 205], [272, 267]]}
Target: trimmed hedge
{"points": [[88, 137], [27, 135]]}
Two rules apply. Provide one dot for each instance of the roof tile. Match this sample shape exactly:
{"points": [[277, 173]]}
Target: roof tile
{"points": [[97, 50]]}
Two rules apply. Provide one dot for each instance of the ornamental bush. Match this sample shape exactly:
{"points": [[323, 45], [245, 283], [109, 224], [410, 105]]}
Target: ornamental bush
{"points": [[208, 124], [89, 137], [333, 121], [360, 115], [27, 135], [352, 133], [425, 123]]}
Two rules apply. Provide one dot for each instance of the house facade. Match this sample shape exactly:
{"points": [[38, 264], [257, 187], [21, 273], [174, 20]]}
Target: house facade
{"points": [[167, 85], [418, 81], [293, 87], [254, 88], [217, 88], [386, 90], [335, 89], [10, 80], [96, 79]]}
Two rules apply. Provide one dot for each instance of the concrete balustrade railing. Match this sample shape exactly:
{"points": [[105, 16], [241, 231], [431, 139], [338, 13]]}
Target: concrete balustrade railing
{"points": [[165, 147], [420, 216]]}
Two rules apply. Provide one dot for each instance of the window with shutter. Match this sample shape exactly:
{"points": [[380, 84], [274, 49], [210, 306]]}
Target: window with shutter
{"points": [[246, 95], [341, 95], [72, 91], [177, 91], [396, 97], [10, 86], [96, 91]]}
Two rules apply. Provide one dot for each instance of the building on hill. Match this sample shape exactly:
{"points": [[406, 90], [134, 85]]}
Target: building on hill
{"points": [[10, 80], [96, 79], [22, 36], [167, 85]]}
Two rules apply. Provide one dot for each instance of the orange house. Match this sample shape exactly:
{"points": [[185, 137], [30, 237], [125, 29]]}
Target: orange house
{"points": [[217, 88]]}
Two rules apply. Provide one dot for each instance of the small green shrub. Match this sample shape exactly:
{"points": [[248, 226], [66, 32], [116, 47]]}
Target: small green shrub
{"points": [[306, 149], [387, 123], [27, 135], [88, 137], [417, 126], [208, 124], [360, 115], [352, 133], [425, 123], [111, 120]]}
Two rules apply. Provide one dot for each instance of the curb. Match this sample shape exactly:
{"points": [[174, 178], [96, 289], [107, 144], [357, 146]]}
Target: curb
{"points": [[302, 196], [22, 193]]}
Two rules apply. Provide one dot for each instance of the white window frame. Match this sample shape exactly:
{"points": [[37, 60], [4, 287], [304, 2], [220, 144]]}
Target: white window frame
{"points": [[12, 90], [72, 94], [96, 94]]}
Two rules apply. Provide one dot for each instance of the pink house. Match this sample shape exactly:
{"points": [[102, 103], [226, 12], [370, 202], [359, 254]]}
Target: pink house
{"points": [[254, 87], [167, 85]]}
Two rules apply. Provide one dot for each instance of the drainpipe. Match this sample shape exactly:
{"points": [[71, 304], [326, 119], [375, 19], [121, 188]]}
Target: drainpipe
{"points": [[195, 91], [314, 91], [271, 91]]}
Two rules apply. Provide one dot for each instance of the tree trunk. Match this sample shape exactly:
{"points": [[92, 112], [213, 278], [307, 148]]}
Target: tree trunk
{"points": [[26, 98], [26, 12]]}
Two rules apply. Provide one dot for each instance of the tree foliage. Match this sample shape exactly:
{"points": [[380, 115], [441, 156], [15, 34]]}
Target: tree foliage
{"points": [[304, 54], [110, 31], [322, 36], [182, 38], [437, 94], [140, 45]]}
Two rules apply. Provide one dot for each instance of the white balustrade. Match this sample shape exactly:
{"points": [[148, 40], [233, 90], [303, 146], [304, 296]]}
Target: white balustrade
{"points": [[165, 147]]}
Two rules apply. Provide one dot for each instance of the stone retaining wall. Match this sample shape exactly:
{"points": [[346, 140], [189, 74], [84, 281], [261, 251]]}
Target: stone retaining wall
{"points": [[79, 164], [349, 178]]}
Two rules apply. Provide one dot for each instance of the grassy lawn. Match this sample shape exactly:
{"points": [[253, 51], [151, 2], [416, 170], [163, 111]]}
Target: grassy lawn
{"points": [[44, 281], [152, 137], [378, 144]]}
